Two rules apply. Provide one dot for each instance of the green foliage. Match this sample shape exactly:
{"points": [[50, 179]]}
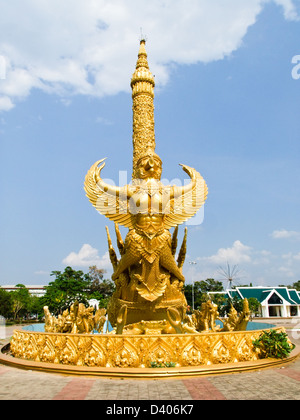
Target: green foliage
{"points": [[5, 303], [273, 344], [218, 299], [162, 364], [99, 288], [74, 285], [254, 305], [35, 306], [210, 285], [67, 287], [18, 304], [200, 291], [295, 285], [237, 303], [21, 300]]}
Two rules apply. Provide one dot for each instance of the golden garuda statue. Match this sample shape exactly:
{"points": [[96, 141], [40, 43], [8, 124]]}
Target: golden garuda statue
{"points": [[149, 281]]}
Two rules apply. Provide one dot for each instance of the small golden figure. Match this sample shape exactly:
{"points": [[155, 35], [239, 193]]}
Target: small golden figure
{"points": [[78, 319]]}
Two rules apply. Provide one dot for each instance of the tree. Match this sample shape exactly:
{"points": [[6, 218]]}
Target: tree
{"points": [[201, 288], [237, 303], [35, 306], [68, 287], [254, 305], [211, 285], [20, 301], [96, 275], [100, 289], [295, 285], [188, 292], [5, 303], [219, 299]]}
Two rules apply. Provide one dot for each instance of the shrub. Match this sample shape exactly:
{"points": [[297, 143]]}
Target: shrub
{"points": [[162, 364], [273, 344]]}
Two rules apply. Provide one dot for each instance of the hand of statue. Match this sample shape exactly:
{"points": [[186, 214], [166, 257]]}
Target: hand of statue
{"points": [[97, 173], [190, 171]]}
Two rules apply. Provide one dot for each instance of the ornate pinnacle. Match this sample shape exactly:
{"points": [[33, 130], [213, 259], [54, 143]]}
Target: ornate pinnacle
{"points": [[142, 84], [142, 81]]}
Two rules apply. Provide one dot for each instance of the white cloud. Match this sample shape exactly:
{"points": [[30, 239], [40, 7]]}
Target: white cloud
{"points": [[6, 103], [238, 253], [86, 257], [291, 258], [103, 121], [287, 272], [285, 234], [261, 267], [288, 266], [262, 257], [211, 266], [89, 47], [289, 9]]}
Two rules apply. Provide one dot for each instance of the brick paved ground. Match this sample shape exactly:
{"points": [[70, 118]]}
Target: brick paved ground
{"points": [[269, 384], [278, 383]]}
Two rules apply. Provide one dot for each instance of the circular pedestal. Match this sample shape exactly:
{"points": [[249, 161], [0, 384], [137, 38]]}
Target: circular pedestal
{"points": [[131, 356]]}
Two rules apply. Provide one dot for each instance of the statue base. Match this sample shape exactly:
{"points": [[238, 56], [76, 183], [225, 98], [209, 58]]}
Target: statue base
{"points": [[134, 356], [132, 316]]}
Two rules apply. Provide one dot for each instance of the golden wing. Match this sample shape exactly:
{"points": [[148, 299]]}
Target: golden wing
{"points": [[110, 201], [185, 205]]}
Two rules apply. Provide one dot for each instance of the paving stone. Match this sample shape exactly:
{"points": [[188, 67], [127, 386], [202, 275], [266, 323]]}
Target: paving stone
{"points": [[269, 384]]}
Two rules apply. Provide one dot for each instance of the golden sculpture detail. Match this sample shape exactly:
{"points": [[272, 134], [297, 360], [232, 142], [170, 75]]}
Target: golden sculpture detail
{"points": [[235, 321], [149, 281], [78, 319], [205, 318], [148, 306], [131, 351]]}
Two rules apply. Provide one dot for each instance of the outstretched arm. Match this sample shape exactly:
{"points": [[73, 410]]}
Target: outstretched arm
{"points": [[123, 192], [179, 191]]}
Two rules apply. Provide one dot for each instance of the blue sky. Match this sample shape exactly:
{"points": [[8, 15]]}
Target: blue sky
{"points": [[226, 103]]}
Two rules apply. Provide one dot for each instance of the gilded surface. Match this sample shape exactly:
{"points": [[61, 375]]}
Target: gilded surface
{"points": [[148, 308], [77, 319], [237, 321], [149, 280], [142, 84], [205, 318], [104, 350]]}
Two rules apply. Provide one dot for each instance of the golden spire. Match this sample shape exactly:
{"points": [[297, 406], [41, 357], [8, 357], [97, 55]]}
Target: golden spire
{"points": [[142, 84], [142, 81]]}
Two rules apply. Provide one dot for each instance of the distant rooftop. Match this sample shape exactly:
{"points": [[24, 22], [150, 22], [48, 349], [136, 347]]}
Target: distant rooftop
{"points": [[28, 286]]}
